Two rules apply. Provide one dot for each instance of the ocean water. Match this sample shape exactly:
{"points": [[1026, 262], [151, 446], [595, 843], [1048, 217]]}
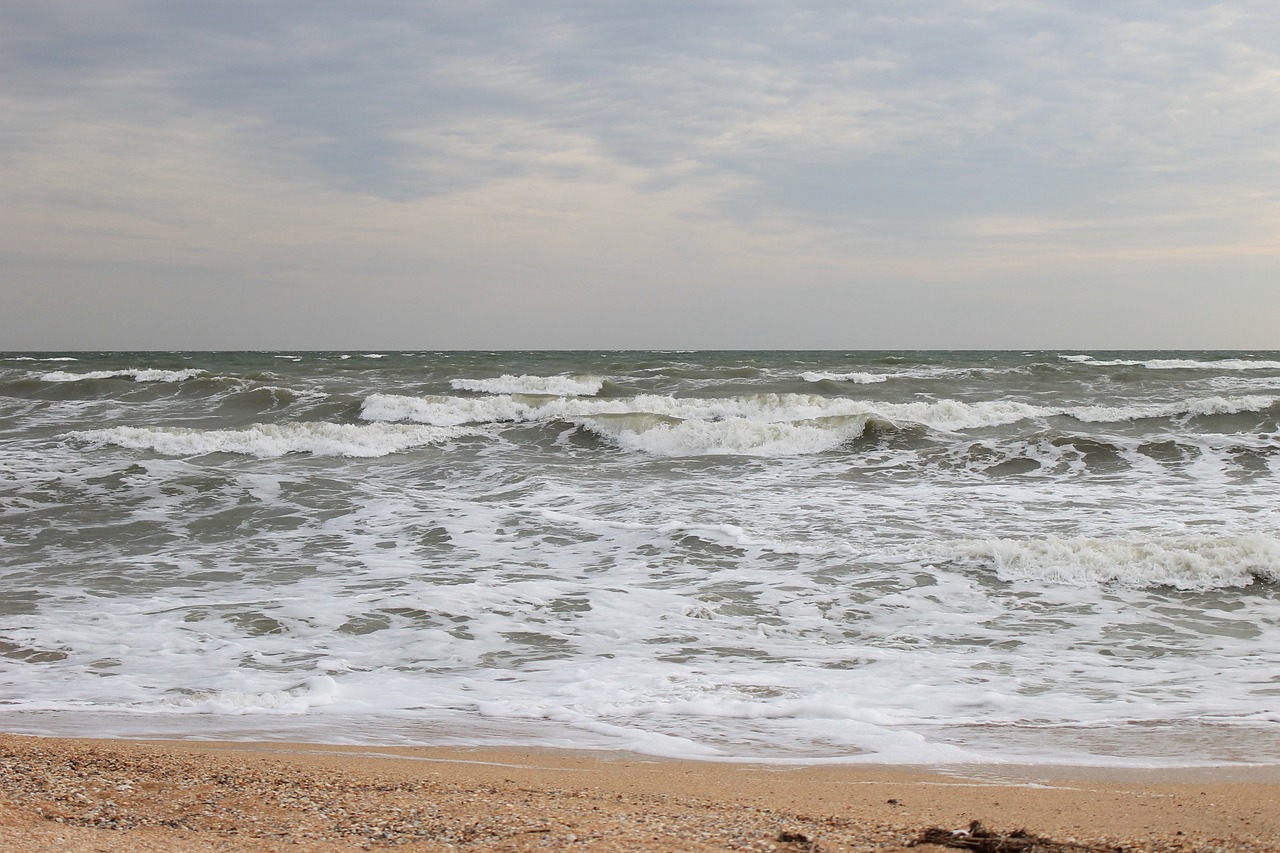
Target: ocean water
{"points": [[1061, 557]]}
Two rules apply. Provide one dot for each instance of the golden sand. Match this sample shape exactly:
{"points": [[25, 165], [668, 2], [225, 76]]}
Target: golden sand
{"points": [[111, 795]]}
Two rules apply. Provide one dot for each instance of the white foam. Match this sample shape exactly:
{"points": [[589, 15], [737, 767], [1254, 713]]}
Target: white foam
{"points": [[738, 436], [314, 692], [801, 409], [272, 440], [1184, 363], [1188, 563], [443, 411], [560, 386], [1180, 408], [856, 378], [137, 375]]}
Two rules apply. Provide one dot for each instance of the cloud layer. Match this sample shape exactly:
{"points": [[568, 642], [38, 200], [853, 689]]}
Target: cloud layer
{"points": [[499, 174]]}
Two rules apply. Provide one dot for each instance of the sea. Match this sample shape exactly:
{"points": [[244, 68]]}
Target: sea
{"points": [[912, 558]]}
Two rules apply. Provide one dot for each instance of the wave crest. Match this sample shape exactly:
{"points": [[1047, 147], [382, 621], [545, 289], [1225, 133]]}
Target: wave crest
{"points": [[1186, 563], [557, 386], [856, 378], [1176, 363], [267, 441], [137, 375]]}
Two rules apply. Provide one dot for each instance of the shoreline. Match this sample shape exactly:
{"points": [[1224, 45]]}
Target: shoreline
{"points": [[109, 794]]}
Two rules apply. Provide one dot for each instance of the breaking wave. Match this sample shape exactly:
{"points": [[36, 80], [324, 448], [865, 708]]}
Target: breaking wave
{"points": [[856, 378], [271, 440], [1177, 363], [558, 386], [137, 375], [657, 436], [1186, 563], [761, 424]]}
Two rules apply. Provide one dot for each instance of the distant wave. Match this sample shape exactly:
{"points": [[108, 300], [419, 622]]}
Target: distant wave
{"points": [[1189, 563], [34, 358], [137, 375], [1177, 363], [1181, 408], [856, 378], [762, 424], [947, 415], [272, 440], [560, 386]]}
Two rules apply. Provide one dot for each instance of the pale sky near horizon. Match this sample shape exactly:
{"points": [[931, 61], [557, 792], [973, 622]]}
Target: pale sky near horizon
{"points": [[455, 175]]}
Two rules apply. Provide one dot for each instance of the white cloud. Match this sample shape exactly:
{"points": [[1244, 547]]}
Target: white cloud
{"points": [[538, 153]]}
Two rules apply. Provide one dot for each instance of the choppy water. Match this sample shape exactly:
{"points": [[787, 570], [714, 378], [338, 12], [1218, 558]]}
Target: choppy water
{"points": [[891, 557]]}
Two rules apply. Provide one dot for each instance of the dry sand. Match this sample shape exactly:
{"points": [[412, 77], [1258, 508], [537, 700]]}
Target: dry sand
{"points": [[106, 795]]}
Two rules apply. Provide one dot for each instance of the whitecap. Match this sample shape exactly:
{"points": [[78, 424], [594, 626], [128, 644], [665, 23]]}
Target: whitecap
{"points": [[136, 374], [316, 691], [1188, 563], [442, 410], [1191, 364], [856, 378], [560, 386], [1180, 408], [272, 440], [765, 424], [739, 436]]}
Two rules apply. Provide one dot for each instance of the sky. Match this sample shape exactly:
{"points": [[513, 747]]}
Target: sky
{"points": [[569, 174]]}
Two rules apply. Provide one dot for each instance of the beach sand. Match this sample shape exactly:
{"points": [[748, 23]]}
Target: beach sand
{"points": [[112, 795]]}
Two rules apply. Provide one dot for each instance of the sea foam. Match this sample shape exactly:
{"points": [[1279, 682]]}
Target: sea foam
{"points": [[137, 375], [560, 386], [1188, 563], [272, 440]]}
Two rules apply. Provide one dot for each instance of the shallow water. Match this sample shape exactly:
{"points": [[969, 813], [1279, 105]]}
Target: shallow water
{"points": [[890, 557]]}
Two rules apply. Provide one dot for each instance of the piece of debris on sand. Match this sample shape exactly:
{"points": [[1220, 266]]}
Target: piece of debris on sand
{"points": [[978, 837]]}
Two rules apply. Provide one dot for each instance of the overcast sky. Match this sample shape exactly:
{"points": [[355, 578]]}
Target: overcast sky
{"points": [[545, 174]]}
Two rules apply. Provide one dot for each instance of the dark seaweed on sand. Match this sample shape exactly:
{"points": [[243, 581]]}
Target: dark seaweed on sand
{"points": [[978, 837]]}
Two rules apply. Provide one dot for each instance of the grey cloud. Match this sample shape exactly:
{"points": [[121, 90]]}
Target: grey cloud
{"points": [[1019, 130], [871, 91]]}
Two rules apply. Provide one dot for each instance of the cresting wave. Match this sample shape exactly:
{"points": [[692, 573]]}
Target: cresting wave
{"points": [[856, 378], [1185, 563], [1176, 363], [559, 386], [313, 692], [763, 424], [271, 440], [137, 375]]}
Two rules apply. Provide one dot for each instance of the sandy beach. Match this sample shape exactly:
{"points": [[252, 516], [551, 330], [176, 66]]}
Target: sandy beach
{"points": [[112, 795]]}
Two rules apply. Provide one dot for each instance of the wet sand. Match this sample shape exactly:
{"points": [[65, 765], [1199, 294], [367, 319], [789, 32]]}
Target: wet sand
{"points": [[112, 795]]}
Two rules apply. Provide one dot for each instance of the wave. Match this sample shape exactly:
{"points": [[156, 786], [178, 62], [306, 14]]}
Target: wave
{"points": [[443, 410], [946, 415], [1186, 563], [1177, 363], [657, 436], [314, 691], [267, 441], [765, 408], [558, 386], [36, 358], [137, 375], [761, 424], [1201, 406], [855, 378]]}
